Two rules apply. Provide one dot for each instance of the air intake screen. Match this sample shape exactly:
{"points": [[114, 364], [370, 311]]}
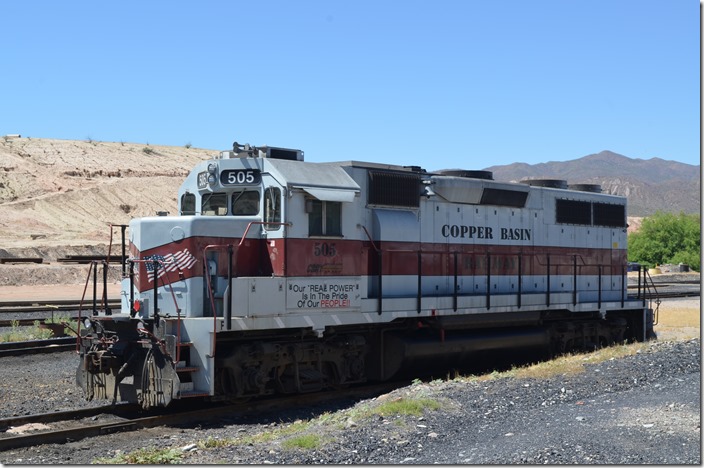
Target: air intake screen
{"points": [[275, 153], [492, 196], [394, 189], [609, 215], [573, 212]]}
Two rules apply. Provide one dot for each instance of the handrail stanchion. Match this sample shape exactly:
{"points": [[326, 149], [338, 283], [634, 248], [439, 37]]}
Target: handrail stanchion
{"points": [[207, 273], [420, 277], [228, 305], [95, 287], [599, 287], [644, 283], [124, 257], [80, 310], [488, 281], [520, 279], [574, 280], [624, 285], [155, 264], [379, 254], [454, 293], [132, 311], [547, 290], [105, 289]]}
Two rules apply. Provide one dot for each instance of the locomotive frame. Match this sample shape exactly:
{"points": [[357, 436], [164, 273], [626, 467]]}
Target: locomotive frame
{"points": [[282, 276]]}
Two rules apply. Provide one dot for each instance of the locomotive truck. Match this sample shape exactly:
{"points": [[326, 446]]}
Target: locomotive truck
{"points": [[284, 276]]}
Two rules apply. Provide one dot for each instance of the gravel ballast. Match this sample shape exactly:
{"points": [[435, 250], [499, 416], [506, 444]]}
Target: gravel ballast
{"points": [[642, 409]]}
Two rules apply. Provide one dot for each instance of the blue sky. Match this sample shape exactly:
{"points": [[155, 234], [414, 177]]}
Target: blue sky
{"points": [[438, 84]]}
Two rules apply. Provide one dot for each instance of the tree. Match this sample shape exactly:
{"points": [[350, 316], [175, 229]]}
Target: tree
{"points": [[667, 238]]}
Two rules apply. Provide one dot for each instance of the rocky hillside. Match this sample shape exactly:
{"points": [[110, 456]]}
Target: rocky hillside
{"points": [[61, 192], [650, 185]]}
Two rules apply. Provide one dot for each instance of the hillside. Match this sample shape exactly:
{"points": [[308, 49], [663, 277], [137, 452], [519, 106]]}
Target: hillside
{"points": [[61, 192], [650, 185]]}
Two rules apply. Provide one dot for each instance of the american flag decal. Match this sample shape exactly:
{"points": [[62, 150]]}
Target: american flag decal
{"points": [[182, 260]]}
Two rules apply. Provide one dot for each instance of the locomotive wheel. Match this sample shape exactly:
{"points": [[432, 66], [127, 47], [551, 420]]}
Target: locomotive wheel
{"points": [[159, 381]]}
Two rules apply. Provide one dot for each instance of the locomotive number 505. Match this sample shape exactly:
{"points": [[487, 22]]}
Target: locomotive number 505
{"points": [[240, 177]]}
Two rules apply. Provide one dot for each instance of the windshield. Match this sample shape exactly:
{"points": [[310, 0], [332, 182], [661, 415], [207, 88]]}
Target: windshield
{"points": [[245, 203]]}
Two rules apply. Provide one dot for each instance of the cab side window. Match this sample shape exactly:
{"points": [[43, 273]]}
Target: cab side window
{"points": [[272, 208], [324, 218], [188, 204]]}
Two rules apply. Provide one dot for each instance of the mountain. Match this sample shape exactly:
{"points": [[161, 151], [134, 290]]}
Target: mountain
{"points": [[650, 184]]}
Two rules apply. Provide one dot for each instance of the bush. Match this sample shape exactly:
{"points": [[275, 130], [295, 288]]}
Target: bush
{"points": [[667, 238]]}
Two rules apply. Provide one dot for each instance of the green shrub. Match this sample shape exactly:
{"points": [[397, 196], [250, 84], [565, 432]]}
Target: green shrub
{"points": [[304, 441], [144, 456], [667, 238]]}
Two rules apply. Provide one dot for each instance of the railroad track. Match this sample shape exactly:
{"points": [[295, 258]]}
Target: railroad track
{"points": [[129, 418], [53, 345], [19, 307], [18, 313]]}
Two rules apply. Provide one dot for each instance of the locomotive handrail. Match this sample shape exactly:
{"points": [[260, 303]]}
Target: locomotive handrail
{"points": [[249, 225], [123, 259], [228, 315], [231, 250], [573, 264], [647, 286], [80, 309]]}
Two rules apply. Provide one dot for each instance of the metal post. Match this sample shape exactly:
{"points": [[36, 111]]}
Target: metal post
{"points": [[155, 263], [105, 288], [599, 286], [644, 283], [520, 279], [623, 284], [379, 252], [132, 311], [454, 295], [418, 296], [547, 293], [574, 280], [228, 305], [95, 288], [488, 280], [124, 257]]}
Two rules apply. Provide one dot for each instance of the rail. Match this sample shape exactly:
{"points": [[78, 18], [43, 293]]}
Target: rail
{"points": [[130, 418], [575, 262]]}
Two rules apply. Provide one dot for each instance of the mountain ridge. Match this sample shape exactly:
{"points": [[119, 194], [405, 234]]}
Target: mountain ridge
{"points": [[651, 185]]}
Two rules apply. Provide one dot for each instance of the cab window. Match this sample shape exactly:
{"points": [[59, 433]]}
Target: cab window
{"points": [[188, 204], [324, 218], [272, 208], [214, 204], [245, 203]]}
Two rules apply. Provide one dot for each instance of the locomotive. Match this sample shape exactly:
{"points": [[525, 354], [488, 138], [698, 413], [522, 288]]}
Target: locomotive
{"points": [[283, 276]]}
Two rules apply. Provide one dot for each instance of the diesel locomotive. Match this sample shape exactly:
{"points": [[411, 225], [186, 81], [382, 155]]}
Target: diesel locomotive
{"points": [[284, 276]]}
